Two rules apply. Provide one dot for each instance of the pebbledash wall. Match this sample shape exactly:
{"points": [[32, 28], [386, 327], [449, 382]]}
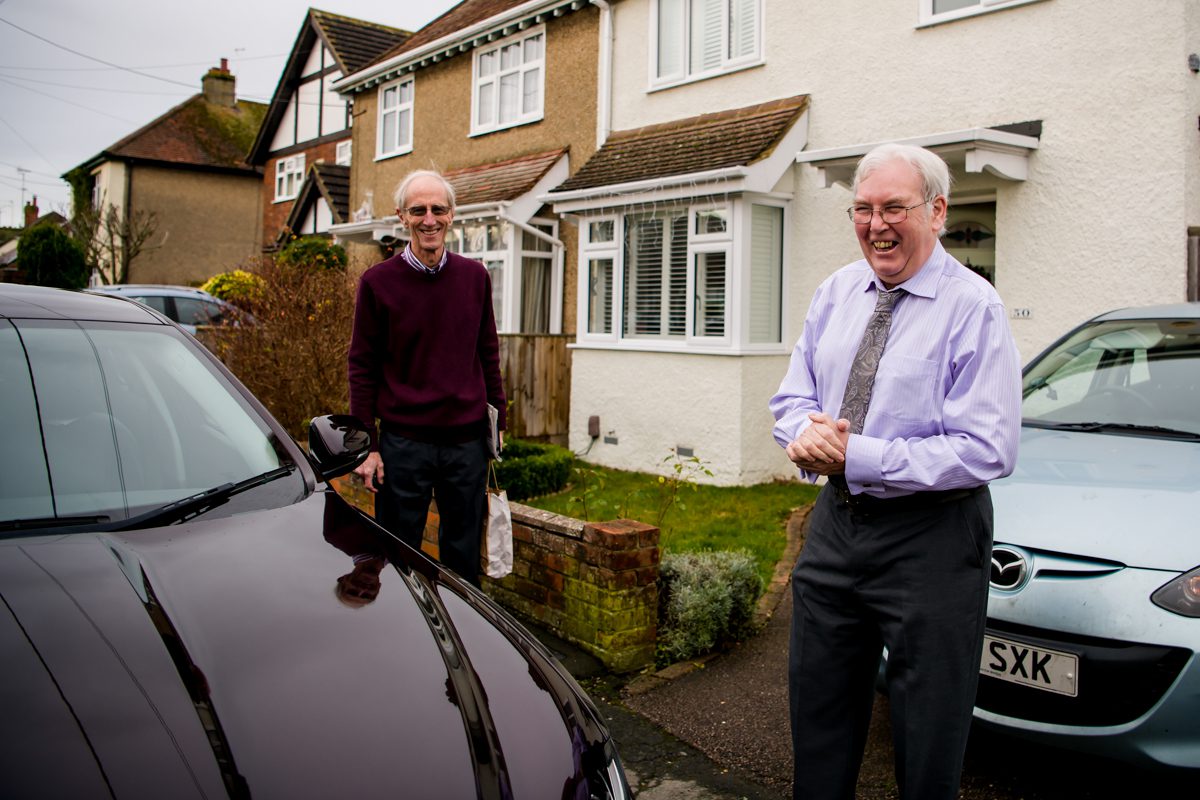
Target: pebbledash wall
{"points": [[1101, 222], [592, 584]]}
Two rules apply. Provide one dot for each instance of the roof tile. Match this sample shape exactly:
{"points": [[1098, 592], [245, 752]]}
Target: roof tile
{"points": [[502, 180], [716, 140]]}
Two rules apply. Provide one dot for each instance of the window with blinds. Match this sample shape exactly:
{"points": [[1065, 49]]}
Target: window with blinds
{"points": [[509, 80], [656, 260], [766, 274], [696, 38]]}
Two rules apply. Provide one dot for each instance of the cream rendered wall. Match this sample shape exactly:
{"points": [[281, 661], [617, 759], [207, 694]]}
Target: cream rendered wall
{"points": [[1100, 223]]}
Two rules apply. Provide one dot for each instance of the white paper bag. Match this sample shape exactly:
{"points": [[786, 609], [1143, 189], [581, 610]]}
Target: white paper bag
{"points": [[498, 534]]}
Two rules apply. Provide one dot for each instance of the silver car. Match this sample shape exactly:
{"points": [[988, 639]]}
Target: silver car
{"points": [[182, 304], [1093, 636]]}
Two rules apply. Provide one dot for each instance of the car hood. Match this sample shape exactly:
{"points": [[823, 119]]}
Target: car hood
{"points": [[215, 657], [1127, 499]]}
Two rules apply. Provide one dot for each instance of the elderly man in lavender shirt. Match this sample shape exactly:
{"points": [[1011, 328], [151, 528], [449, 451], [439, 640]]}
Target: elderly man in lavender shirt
{"points": [[899, 542]]}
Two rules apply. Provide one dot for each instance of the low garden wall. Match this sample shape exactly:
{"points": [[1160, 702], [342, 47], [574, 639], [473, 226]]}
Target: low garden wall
{"points": [[594, 584]]}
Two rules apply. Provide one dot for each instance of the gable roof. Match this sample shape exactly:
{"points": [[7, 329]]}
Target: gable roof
{"points": [[502, 180], [328, 182], [721, 139], [354, 43], [196, 133], [464, 27]]}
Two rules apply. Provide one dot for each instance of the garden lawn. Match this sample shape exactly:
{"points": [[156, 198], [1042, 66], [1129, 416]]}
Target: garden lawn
{"points": [[691, 517]]}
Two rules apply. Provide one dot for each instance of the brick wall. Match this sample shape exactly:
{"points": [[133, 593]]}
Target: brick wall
{"points": [[594, 584]]}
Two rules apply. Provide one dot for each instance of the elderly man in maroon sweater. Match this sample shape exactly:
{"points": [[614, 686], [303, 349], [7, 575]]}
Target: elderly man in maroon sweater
{"points": [[425, 361]]}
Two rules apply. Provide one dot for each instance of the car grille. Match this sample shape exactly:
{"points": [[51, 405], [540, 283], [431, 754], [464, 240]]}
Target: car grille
{"points": [[1118, 681]]}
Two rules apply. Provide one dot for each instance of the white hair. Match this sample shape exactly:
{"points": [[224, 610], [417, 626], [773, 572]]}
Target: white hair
{"points": [[402, 189]]}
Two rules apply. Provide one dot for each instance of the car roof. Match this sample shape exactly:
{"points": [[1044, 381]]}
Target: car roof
{"points": [[1163, 311], [18, 301], [160, 288]]}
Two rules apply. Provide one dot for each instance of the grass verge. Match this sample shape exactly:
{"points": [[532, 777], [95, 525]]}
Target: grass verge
{"points": [[691, 517]]}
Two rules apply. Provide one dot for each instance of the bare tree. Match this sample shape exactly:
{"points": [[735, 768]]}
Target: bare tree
{"points": [[111, 239]]}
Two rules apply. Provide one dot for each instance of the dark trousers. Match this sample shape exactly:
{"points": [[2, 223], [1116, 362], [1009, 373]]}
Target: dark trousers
{"points": [[915, 581], [456, 474]]}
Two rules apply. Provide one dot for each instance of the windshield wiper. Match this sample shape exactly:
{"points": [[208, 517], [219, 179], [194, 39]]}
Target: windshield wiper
{"points": [[1116, 427], [197, 504], [44, 523]]}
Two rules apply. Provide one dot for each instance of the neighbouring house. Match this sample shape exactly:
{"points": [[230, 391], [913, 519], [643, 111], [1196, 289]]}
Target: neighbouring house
{"points": [[707, 220], [10, 267], [501, 96], [304, 146], [187, 168]]}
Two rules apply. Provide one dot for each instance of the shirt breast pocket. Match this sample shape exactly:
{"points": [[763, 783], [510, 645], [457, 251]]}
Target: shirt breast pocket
{"points": [[905, 389]]}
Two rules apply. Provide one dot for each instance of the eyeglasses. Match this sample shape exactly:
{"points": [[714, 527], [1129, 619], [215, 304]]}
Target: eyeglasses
{"points": [[420, 211], [891, 215]]}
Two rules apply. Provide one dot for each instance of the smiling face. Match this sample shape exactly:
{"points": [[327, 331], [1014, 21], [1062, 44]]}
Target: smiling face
{"points": [[428, 230], [897, 251]]}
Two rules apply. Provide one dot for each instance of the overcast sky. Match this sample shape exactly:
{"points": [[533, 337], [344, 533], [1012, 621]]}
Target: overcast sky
{"points": [[61, 104]]}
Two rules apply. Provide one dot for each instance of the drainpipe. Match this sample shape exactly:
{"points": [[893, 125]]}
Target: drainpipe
{"points": [[604, 78]]}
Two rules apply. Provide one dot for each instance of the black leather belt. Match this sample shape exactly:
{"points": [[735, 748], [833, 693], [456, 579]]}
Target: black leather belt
{"points": [[864, 505]]}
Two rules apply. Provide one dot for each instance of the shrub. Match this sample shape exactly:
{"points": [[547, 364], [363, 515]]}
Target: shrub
{"points": [[49, 257], [312, 252], [530, 469], [293, 357], [706, 599], [239, 287]]}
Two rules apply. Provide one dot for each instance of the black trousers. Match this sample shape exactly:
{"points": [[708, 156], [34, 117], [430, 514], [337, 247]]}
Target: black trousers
{"points": [[456, 474], [914, 581]]}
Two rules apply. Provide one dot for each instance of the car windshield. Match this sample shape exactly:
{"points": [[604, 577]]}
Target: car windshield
{"points": [[107, 421], [1126, 376]]}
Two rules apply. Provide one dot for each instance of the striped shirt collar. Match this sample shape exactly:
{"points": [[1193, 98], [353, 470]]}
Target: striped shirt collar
{"points": [[416, 264]]}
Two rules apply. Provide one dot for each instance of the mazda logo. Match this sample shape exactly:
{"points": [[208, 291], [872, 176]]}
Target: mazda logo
{"points": [[1009, 568]]}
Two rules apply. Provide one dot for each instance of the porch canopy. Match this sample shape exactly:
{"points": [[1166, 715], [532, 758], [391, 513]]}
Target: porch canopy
{"points": [[327, 184], [1002, 151], [724, 152], [507, 191]]}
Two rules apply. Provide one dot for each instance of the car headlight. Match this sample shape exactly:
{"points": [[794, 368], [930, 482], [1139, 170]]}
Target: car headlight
{"points": [[1180, 596]]}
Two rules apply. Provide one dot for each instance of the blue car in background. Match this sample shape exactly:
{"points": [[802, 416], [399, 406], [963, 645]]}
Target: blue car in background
{"points": [[1093, 632]]}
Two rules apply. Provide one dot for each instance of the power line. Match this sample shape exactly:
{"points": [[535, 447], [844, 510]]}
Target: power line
{"points": [[92, 88], [27, 143], [68, 102], [28, 68], [93, 58]]}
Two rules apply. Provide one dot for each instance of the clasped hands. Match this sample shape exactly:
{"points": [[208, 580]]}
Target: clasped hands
{"points": [[821, 447]]}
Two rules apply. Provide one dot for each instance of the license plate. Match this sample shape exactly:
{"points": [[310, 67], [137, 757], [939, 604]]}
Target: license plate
{"points": [[1037, 667]]}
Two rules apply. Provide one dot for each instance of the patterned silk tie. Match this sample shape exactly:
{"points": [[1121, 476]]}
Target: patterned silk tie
{"points": [[866, 360]]}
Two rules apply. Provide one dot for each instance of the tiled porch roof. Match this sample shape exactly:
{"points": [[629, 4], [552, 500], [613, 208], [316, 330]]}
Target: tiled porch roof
{"points": [[502, 180], [328, 181], [717, 140]]}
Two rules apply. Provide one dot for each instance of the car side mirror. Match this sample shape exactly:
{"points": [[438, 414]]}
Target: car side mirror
{"points": [[337, 444]]}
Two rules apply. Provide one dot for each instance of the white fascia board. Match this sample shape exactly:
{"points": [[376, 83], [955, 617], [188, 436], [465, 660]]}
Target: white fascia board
{"points": [[728, 180], [763, 175], [524, 207], [460, 41], [1001, 153], [372, 230]]}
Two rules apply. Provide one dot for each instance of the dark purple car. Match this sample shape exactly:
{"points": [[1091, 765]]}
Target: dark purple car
{"points": [[189, 610]]}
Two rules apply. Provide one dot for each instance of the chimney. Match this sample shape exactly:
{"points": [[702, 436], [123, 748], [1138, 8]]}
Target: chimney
{"points": [[31, 212], [219, 86]]}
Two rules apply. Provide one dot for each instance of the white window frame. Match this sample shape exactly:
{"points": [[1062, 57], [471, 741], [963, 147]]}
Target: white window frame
{"points": [[554, 264], [343, 153], [734, 244], [289, 176], [727, 62], [486, 88], [929, 17], [592, 250], [403, 124]]}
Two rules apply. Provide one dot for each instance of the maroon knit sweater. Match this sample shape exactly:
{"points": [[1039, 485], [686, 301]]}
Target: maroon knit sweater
{"points": [[424, 355]]}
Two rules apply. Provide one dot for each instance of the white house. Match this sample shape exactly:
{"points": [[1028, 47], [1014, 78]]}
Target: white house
{"points": [[1070, 128]]}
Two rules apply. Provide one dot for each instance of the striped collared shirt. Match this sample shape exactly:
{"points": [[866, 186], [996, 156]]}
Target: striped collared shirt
{"points": [[416, 264]]}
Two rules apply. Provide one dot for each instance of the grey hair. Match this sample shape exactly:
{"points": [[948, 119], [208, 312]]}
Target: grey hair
{"points": [[402, 189], [935, 175]]}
